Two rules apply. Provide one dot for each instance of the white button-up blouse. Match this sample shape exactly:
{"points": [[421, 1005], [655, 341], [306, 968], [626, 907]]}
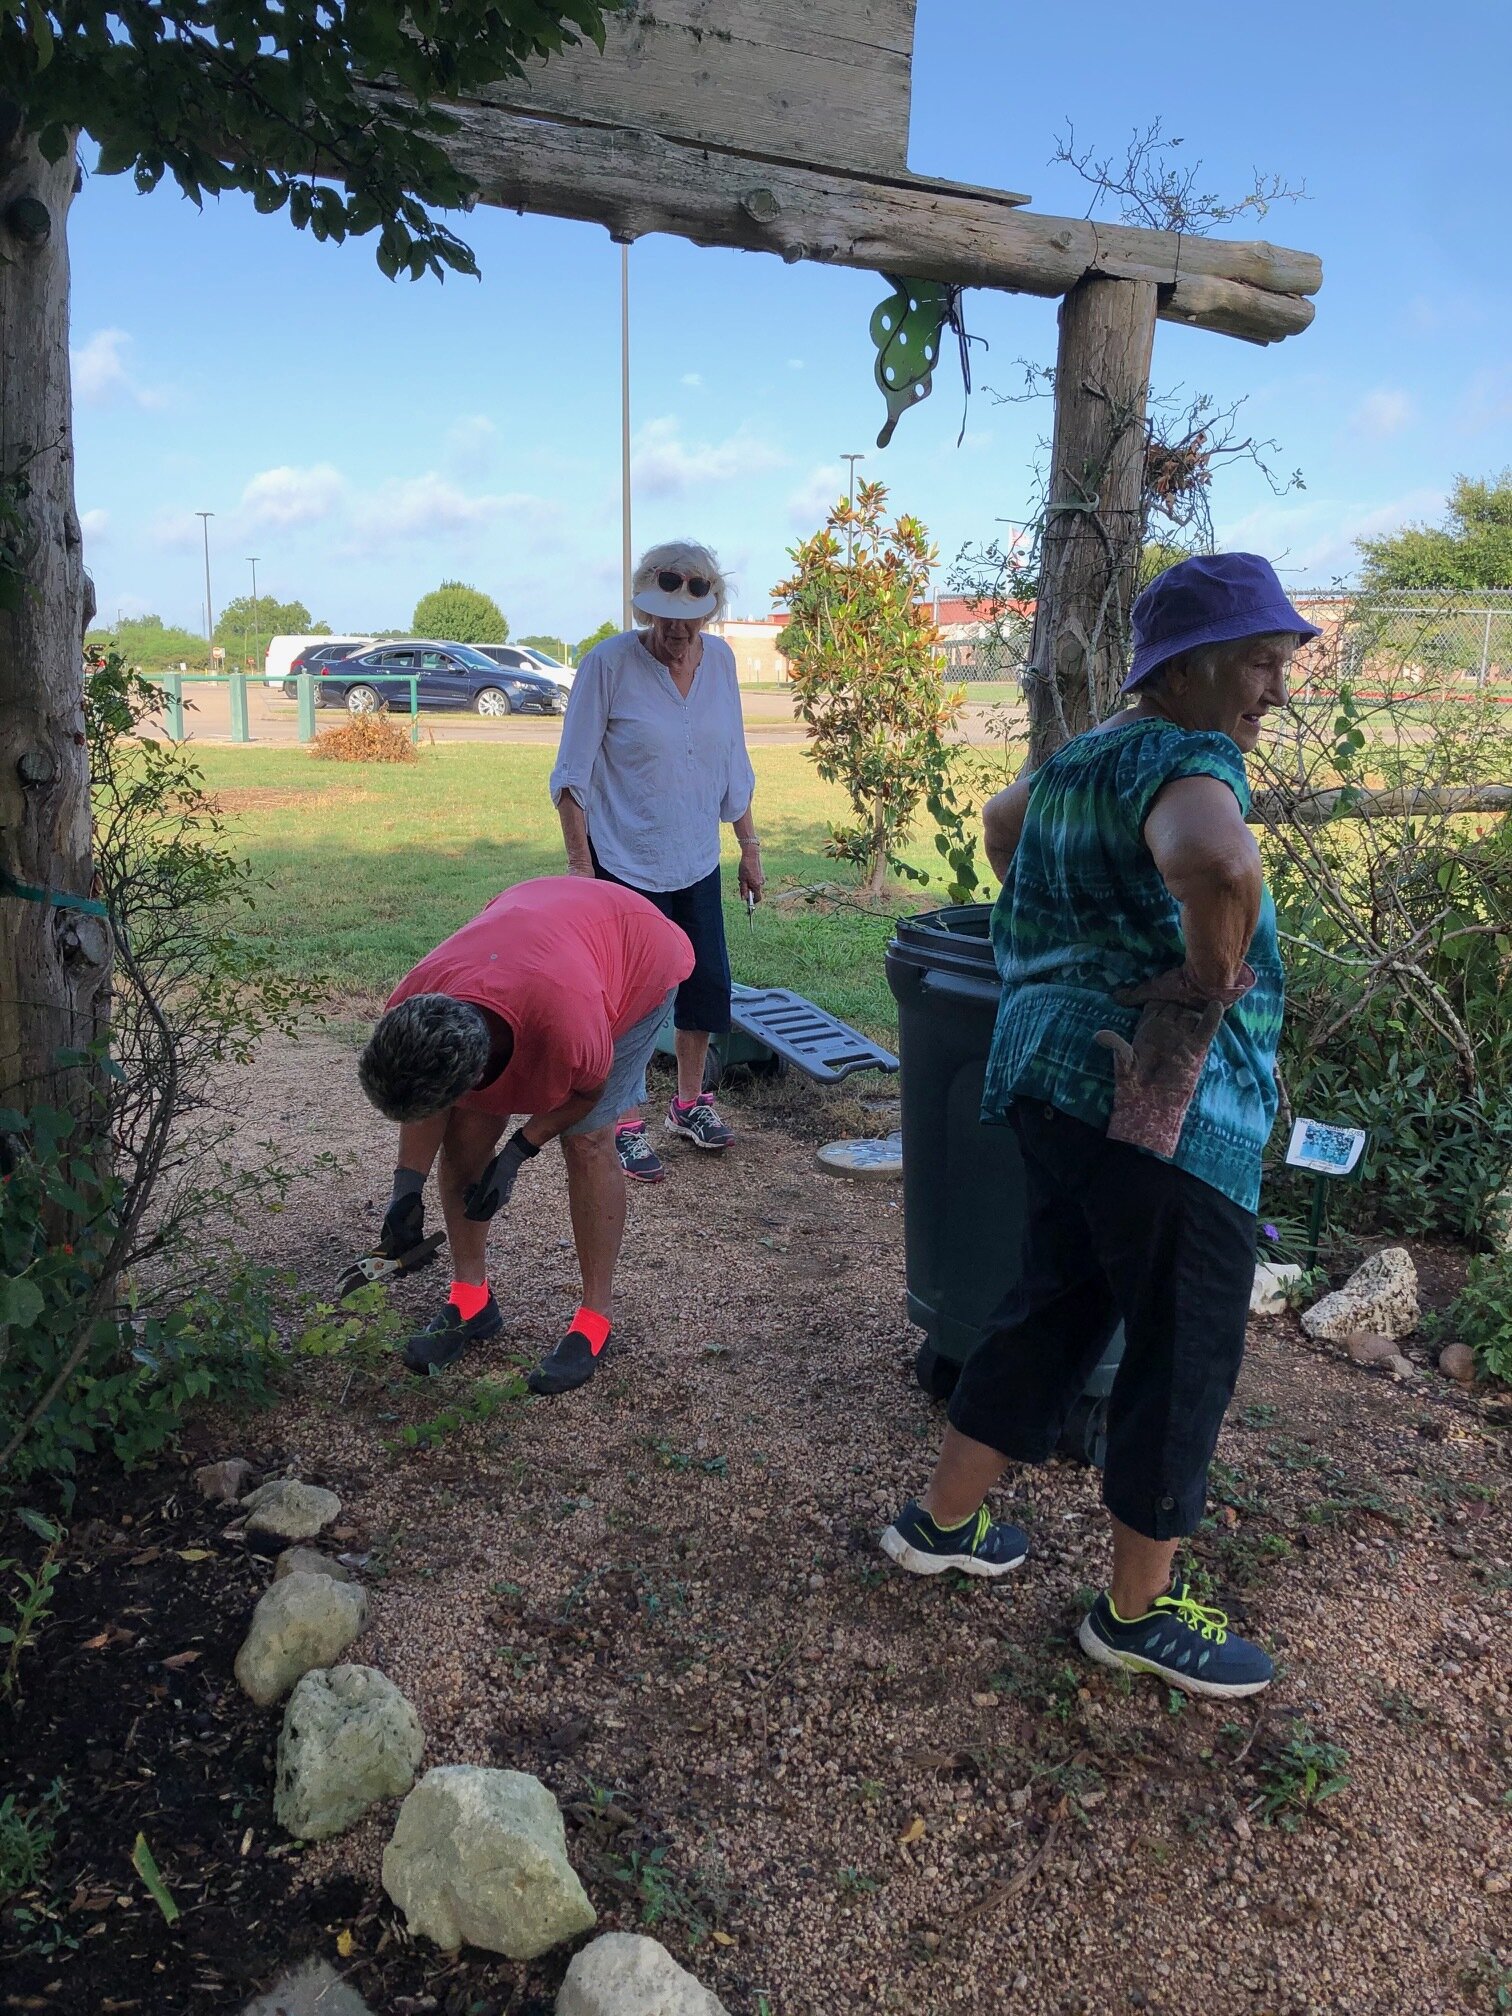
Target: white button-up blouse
{"points": [[654, 773]]}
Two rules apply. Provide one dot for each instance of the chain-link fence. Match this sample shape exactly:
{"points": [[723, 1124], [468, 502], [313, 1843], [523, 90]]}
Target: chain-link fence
{"points": [[1440, 643]]}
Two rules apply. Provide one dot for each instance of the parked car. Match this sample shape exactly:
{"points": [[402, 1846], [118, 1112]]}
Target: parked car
{"points": [[450, 675], [313, 658], [552, 667], [524, 658], [282, 651]]}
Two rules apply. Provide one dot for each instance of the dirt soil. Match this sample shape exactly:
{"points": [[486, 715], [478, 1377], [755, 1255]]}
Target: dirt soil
{"points": [[826, 1786]]}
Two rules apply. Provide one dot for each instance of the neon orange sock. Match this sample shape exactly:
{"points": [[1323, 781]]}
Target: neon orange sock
{"points": [[588, 1323], [468, 1298]]}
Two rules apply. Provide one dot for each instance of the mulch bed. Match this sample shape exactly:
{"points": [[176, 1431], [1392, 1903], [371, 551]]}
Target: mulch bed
{"points": [[824, 1786]]}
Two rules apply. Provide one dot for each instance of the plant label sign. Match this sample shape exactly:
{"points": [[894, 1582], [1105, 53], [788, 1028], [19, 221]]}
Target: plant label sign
{"points": [[1325, 1150]]}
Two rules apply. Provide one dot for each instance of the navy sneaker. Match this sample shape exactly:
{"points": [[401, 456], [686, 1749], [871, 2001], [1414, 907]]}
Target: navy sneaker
{"points": [[572, 1364], [700, 1123], [980, 1545], [444, 1339], [638, 1158], [1181, 1641]]}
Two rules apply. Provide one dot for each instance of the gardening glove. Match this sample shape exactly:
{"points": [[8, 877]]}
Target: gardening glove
{"points": [[403, 1226], [493, 1188], [1155, 1077]]}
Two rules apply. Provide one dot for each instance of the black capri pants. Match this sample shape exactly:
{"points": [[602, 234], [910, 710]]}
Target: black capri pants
{"points": [[703, 999], [1111, 1232]]}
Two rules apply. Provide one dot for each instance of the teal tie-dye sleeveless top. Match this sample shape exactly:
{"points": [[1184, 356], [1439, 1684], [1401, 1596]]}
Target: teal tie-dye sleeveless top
{"points": [[1084, 913]]}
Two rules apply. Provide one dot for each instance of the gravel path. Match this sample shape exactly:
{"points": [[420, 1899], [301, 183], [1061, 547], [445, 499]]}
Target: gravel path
{"points": [[831, 1786]]}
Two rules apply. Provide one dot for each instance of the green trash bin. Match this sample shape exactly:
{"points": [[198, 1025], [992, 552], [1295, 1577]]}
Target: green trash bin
{"points": [[963, 1183]]}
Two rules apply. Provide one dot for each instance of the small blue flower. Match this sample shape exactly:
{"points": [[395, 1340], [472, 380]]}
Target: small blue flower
{"points": [[1270, 1231]]}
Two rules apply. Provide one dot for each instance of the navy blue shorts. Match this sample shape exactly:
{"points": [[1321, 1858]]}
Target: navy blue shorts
{"points": [[1111, 1232], [703, 999]]}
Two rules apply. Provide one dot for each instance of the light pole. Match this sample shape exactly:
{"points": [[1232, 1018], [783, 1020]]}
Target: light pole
{"points": [[625, 561], [204, 517], [253, 559], [850, 530]]}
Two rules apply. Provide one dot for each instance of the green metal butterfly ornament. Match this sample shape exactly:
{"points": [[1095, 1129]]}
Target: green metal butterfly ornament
{"points": [[906, 330]]}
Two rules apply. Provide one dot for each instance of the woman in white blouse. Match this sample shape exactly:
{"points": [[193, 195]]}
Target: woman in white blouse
{"points": [[652, 761]]}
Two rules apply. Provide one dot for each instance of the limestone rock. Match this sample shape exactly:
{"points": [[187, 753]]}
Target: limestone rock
{"points": [[290, 1510], [310, 1561], [1380, 1296], [1272, 1286], [624, 1974], [300, 1623], [1457, 1362], [479, 1858], [349, 1738], [223, 1483]]}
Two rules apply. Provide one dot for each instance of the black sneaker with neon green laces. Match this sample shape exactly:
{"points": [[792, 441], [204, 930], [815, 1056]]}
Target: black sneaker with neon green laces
{"points": [[1181, 1641], [980, 1545]]}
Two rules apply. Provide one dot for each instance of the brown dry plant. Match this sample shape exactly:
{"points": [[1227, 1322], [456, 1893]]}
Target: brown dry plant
{"points": [[365, 738]]}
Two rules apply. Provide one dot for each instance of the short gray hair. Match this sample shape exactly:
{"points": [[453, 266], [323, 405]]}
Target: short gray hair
{"points": [[423, 1055], [688, 557]]}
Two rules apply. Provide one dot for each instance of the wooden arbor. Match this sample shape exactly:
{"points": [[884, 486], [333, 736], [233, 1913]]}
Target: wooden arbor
{"points": [[778, 126]]}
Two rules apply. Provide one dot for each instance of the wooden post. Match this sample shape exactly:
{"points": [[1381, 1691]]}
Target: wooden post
{"points": [[54, 958], [1089, 551]]}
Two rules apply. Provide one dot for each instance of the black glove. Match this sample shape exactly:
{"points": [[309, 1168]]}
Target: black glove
{"points": [[493, 1188], [403, 1226]]}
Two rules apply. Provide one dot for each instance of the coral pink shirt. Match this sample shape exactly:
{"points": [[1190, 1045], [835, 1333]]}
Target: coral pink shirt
{"points": [[570, 964]]}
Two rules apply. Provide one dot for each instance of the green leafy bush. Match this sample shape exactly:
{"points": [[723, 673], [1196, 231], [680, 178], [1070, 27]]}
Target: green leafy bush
{"points": [[110, 1215], [1481, 1314], [1397, 937]]}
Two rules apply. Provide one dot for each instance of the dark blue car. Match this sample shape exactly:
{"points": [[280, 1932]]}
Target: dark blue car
{"points": [[450, 675]]}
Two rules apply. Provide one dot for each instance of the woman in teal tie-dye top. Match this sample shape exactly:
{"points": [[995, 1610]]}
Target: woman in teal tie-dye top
{"points": [[1135, 1058]]}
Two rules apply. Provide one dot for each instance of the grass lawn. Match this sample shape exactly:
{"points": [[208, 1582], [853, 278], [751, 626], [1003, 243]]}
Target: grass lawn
{"points": [[363, 868]]}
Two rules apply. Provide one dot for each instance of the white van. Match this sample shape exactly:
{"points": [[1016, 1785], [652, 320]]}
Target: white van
{"points": [[282, 651]]}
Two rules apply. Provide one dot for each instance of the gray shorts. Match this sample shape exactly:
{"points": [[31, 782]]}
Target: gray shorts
{"points": [[626, 1084]]}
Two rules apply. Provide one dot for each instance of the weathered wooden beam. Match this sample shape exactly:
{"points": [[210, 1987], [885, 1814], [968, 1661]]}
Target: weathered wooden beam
{"points": [[826, 84], [1316, 808], [635, 182]]}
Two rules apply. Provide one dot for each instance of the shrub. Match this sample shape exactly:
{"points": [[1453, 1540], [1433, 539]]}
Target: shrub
{"points": [[1481, 1314], [365, 738], [108, 1327], [1397, 936]]}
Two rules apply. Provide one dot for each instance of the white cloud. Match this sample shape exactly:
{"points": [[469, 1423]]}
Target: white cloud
{"points": [[94, 524], [795, 363], [100, 375], [1382, 413], [1313, 544], [693, 379], [418, 507], [278, 499], [664, 465], [176, 530], [470, 444], [808, 505]]}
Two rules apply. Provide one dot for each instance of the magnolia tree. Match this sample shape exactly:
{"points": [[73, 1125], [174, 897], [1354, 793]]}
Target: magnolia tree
{"points": [[864, 660], [219, 95]]}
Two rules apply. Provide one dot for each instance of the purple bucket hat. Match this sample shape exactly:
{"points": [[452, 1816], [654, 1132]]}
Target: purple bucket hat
{"points": [[1213, 598]]}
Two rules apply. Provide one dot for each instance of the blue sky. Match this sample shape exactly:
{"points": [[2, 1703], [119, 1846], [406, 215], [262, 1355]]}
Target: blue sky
{"points": [[366, 439]]}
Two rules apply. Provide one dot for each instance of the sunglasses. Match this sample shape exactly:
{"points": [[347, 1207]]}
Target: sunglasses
{"points": [[669, 581]]}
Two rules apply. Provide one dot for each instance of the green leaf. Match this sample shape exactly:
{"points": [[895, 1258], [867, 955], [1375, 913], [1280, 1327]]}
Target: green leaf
{"points": [[143, 1863], [21, 1301], [38, 1523]]}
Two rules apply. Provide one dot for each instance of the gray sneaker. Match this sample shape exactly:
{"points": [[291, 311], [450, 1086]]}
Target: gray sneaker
{"points": [[700, 1124]]}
